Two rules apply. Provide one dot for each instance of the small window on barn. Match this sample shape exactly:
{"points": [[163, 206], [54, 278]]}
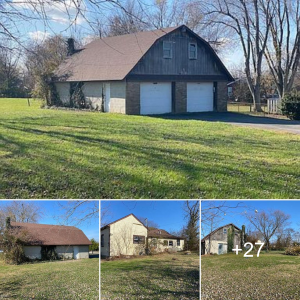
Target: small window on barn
{"points": [[102, 240], [138, 239], [192, 51], [167, 48], [170, 243], [178, 242], [225, 230]]}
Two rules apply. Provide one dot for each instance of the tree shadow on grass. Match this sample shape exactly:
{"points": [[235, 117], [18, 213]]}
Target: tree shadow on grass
{"points": [[10, 289], [192, 166]]}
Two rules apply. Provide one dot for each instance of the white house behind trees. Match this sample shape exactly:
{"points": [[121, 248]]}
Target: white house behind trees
{"points": [[129, 236]]}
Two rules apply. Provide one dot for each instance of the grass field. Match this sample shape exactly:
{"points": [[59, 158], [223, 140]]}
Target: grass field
{"points": [[70, 280], [47, 153], [244, 108], [154, 278], [233, 277]]}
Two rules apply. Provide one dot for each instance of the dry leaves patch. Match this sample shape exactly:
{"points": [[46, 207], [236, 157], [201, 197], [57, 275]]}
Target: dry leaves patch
{"points": [[157, 277], [269, 277]]}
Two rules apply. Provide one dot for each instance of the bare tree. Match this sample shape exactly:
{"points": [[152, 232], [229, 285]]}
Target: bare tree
{"points": [[148, 223], [268, 223], [250, 21], [78, 211], [41, 61], [20, 211], [130, 18], [105, 213], [283, 50]]}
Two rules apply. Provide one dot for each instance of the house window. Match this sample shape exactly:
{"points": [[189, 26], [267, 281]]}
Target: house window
{"points": [[170, 243], [192, 51], [225, 230], [165, 243], [167, 48], [102, 240], [138, 239], [178, 242]]}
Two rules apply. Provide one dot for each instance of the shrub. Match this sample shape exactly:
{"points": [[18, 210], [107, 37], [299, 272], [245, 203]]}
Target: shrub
{"points": [[293, 251], [290, 106], [12, 243]]}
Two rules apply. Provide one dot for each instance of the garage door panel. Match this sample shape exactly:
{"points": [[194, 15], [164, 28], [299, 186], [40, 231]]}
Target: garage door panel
{"points": [[156, 98], [200, 97]]}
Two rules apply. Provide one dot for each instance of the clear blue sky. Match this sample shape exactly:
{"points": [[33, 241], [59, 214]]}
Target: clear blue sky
{"points": [[168, 215], [235, 215], [53, 209]]}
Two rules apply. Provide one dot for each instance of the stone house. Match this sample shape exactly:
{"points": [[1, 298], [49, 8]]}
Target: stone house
{"points": [[68, 242], [171, 70], [216, 241], [129, 236]]}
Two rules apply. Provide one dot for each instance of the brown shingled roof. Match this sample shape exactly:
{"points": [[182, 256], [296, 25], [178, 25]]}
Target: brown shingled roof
{"points": [[54, 235], [110, 58], [160, 233]]}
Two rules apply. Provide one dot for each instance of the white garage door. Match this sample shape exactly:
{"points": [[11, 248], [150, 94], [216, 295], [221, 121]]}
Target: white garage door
{"points": [[156, 98], [200, 97]]}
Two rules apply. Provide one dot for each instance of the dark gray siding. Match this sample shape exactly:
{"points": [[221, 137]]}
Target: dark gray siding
{"points": [[153, 62]]}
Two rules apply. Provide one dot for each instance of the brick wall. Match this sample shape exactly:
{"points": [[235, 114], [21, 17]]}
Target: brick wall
{"points": [[133, 98], [222, 96]]}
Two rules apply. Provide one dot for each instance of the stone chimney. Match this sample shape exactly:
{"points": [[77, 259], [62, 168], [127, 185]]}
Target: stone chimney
{"points": [[8, 225], [71, 46]]}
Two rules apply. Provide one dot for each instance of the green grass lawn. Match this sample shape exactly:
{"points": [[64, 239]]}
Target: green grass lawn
{"points": [[153, 278], [267, 277], [47, 153], [70, 280], [244, 108]]}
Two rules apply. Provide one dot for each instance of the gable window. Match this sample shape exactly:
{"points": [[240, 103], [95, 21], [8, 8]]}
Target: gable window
{"points": [[170, 243], [102, 240], [167, 49], [178, 242], [138, 239], [192, 51], [225, 230]]}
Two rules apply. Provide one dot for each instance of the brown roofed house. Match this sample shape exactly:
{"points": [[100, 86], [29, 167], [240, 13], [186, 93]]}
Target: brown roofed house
{"points": [[170, 70], [68, 242]]}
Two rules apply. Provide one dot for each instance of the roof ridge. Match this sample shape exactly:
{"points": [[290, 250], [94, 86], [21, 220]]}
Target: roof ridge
{"points": [[218, 229], [40, 224]]}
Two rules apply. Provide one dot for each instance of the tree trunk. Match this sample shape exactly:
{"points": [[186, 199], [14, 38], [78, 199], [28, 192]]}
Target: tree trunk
{"points": [[256, 100]]}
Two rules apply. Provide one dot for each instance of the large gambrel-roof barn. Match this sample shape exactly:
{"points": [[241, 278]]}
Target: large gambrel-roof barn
{"points": [[171, 70]]}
